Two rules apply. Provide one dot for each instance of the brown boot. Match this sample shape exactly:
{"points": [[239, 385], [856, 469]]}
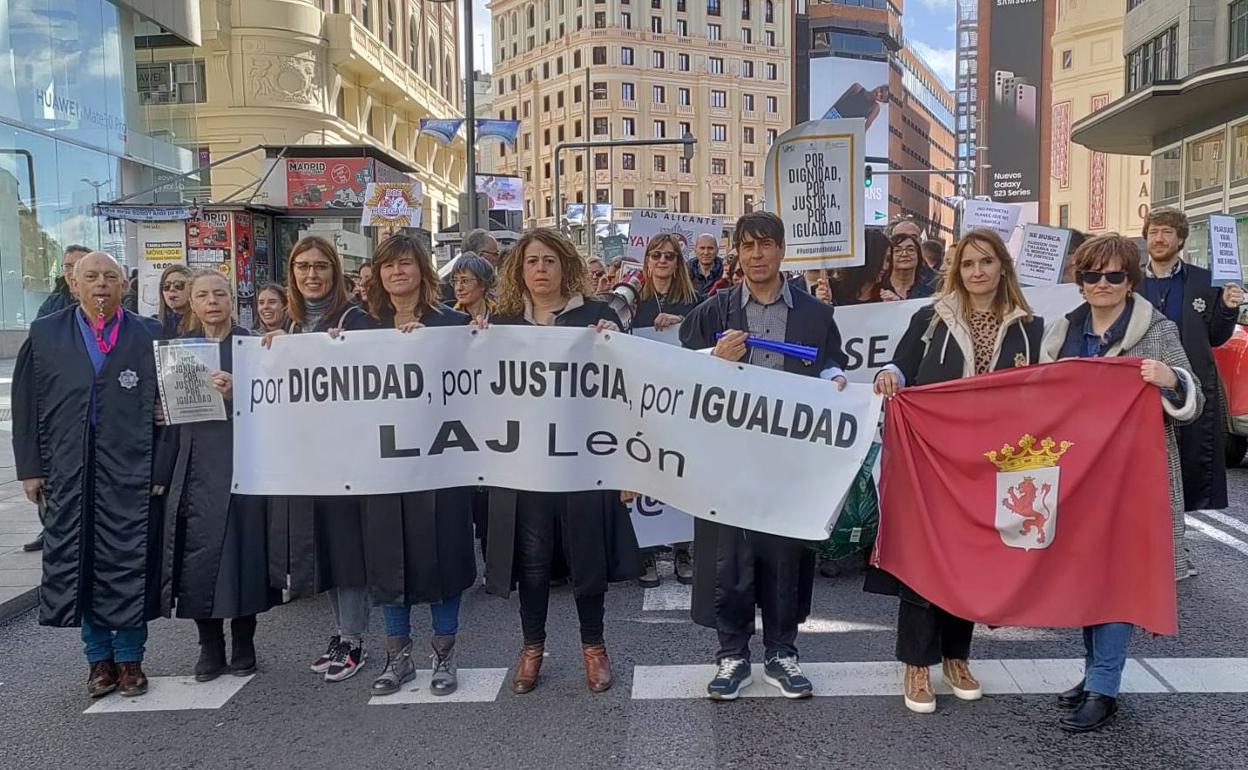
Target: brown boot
{"points": [[132, 681], [528, 668], [597, 667], [103, 679]]}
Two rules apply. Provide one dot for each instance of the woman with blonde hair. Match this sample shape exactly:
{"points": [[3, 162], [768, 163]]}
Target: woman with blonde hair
{"points": [[979, 322], [667, 294]]}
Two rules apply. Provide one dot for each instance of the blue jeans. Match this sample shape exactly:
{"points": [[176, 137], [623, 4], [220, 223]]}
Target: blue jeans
{"points": [[122, 645], [444, 615], [1106, 657]]}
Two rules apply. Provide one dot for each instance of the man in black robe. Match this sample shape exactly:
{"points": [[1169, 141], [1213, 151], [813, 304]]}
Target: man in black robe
{"points": [[84, 404], [737, 569]]}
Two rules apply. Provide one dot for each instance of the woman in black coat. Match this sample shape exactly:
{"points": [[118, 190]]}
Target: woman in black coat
{"points": [[418, 546], [215, 542], [908, 277], [316, 544], [979, 323], [544, 284], [667, 294]]}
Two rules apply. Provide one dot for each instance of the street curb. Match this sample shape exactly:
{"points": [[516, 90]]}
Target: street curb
{"points": [[19, 604]]}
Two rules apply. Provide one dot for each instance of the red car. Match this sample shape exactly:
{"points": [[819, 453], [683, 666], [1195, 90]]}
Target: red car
{"points": [[1232, 360]]}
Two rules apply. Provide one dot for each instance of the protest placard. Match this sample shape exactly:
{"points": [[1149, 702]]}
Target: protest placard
{"points": [[1042, 256], [647, 223], [184, 368], [1224, 250], [1000, 217]]}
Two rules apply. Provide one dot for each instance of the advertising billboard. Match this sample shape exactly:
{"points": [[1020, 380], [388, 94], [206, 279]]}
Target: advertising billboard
{"points": [[506, 192], [855, 88], [1015, 68]]}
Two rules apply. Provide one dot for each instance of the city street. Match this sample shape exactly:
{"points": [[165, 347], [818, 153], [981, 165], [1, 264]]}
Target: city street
{"points": [[1184, 707]]}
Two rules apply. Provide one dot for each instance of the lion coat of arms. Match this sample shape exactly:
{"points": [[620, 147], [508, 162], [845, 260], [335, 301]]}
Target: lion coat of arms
{"points": [[1027, 490]]}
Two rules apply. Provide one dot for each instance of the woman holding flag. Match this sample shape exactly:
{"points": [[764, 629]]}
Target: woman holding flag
{"points": [[1115, 321], [978, 323]]}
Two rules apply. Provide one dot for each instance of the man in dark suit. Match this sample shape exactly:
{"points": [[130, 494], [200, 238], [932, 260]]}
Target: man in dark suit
{"points": [[84, 407], [1205, 315], [737, 569]]}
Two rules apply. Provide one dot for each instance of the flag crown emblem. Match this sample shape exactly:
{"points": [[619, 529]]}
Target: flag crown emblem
{"points": [[1030, 454]]}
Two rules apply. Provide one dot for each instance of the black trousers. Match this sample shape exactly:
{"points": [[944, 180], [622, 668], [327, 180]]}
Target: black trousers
{"points": [[537, 546], [761, 560], [926, 635]]}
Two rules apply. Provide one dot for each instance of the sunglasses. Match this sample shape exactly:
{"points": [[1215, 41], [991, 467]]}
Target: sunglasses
{"points": [[174, 285], [664, 256], [1093, 277]]}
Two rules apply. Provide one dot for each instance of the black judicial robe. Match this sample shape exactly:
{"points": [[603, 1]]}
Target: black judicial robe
{"points": [[101, 533], [317, 543], [595, 530], [215, 543], [782, 575], [418, 546]]}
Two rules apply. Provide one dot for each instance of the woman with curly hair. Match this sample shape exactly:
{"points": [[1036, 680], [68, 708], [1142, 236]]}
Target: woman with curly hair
{"points": [[544, 284]]}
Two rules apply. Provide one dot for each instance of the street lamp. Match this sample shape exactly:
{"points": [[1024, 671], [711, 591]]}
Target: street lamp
{"points": [[99, 239]]}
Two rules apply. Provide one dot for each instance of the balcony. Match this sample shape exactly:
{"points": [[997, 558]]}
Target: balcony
{"points": [[660, 108], [685, 109], [355, 50], [773, 118], [628, 104]]}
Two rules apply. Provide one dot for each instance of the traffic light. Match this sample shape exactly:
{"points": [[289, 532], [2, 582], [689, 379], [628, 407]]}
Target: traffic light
{"points": [[866, 177]]}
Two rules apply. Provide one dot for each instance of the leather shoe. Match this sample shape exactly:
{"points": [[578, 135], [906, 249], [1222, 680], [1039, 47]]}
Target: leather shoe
{"points": [[597, 667], [1072, 698], [528, 669], [1095, 711], [132, 681], [103, 679]]}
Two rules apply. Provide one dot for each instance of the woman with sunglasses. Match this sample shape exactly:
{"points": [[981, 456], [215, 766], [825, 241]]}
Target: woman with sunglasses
{"points": [[979, 323], [908, 276], [1115, 321], [317, 542], [667, 294], [175, 299], [418, 546]]}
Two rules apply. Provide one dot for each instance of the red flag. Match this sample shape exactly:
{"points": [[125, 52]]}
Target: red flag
{"points": [[1037, 496]]}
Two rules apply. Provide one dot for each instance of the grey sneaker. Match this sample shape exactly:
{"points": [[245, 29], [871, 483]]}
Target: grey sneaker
{"points": [[684, 565], [445, 674], [649, 577], [399, 669]]}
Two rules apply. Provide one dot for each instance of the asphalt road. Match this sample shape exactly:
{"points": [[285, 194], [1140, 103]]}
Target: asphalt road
{"points": [[287, 717]]}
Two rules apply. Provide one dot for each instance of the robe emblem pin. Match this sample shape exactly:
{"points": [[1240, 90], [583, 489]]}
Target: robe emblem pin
{"points": [[1198, 304], [128, 379]]}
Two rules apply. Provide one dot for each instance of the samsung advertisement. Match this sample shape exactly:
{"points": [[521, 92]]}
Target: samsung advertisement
{"points": [[1015, 68], [853, 88]]}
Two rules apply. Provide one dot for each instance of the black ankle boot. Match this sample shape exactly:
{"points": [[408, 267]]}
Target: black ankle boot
{"points": [[243, 646], [1095, 711], [211, 663]]}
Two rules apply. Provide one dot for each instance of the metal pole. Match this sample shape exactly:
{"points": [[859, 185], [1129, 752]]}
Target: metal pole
{"points": [[589, 156], [470, 110]]}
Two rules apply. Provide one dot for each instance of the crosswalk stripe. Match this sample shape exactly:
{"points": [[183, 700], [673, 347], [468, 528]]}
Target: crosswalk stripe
{"points": [[476, 685], [1222, 518], [1217, 534], [998, 677], [174, 693]]}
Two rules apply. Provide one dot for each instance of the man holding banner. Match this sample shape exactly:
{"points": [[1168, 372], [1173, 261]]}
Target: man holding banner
{"points": [[738, 569]]}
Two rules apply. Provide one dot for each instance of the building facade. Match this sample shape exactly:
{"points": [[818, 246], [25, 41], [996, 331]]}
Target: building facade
{"points": [[582, 70], [321, 72], [1184, 109], [488, 155], [923, 136], [1094, 192], [966, 91]]}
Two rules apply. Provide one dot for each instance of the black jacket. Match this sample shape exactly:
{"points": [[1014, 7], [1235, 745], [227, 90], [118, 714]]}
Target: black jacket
{"points": [[929, 353], [648, 310], [588, 313], [58, 300], [101, 536]]}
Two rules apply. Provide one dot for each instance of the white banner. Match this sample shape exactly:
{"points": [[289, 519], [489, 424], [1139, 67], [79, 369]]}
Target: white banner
{"points": [[647, 223], [658, 524], [870, 333], [813, 181], [549, 409]]}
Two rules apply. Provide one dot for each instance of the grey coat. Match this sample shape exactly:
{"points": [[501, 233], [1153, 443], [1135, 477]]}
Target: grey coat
{"points": [[1150, 335]]}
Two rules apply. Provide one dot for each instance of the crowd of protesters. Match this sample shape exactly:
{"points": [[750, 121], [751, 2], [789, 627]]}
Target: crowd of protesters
{"points": [[141, 521]]}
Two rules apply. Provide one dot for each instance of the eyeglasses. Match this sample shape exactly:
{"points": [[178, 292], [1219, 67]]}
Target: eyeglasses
{"points": [[465, 283], [484, 253], [303, 268], [597, 273], [1093, 277], [174, 285], [664, 256]]}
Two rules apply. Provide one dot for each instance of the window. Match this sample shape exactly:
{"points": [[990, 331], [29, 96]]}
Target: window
{"points": [[626, 20], [562, 135], [771, 71], [719, 166], [546, 103], [1063, 211], [771, 136], [559, 65], [413, 48], [627, 92], [576, 60], [747, 35], [546, 137], [366, 13], [682, 28], [392, 30], [660, 163], [771, 39], [747, 203], [748, 169], [626, 56], [684, 202], [682, 62], [747, 69], [660, 199], [714, 32], [719, 99], [579, 164], [628, 198], [747, 102], [600, 54], [683, 97], [682, 165], [629, 126], [1068, 59], [546, 171], [719, 132], [525, 107], [659, 95], [685, 128], [680, 6], [712, 8], [600, 161], [769, 12], [545, 70], [180, 82], [656, 25], [528, 141], [1167, 175], [559, 100], [747, 134], [656, 4], [1206, 163], [745, 9], [660, 129], [1239, 152], [576, 94], [601, 126], [772, 109], [600, 91], [602, 196], [657, 60], [719, 203], [576, 129], [1156, 59], [628, 161], [1238, 15], [600, 19]]}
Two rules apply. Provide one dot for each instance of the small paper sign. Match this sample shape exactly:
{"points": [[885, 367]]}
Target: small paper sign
{"points": [[184, 369], [392, 204], [988, 215], [1224, 250], [1043, 255]]}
